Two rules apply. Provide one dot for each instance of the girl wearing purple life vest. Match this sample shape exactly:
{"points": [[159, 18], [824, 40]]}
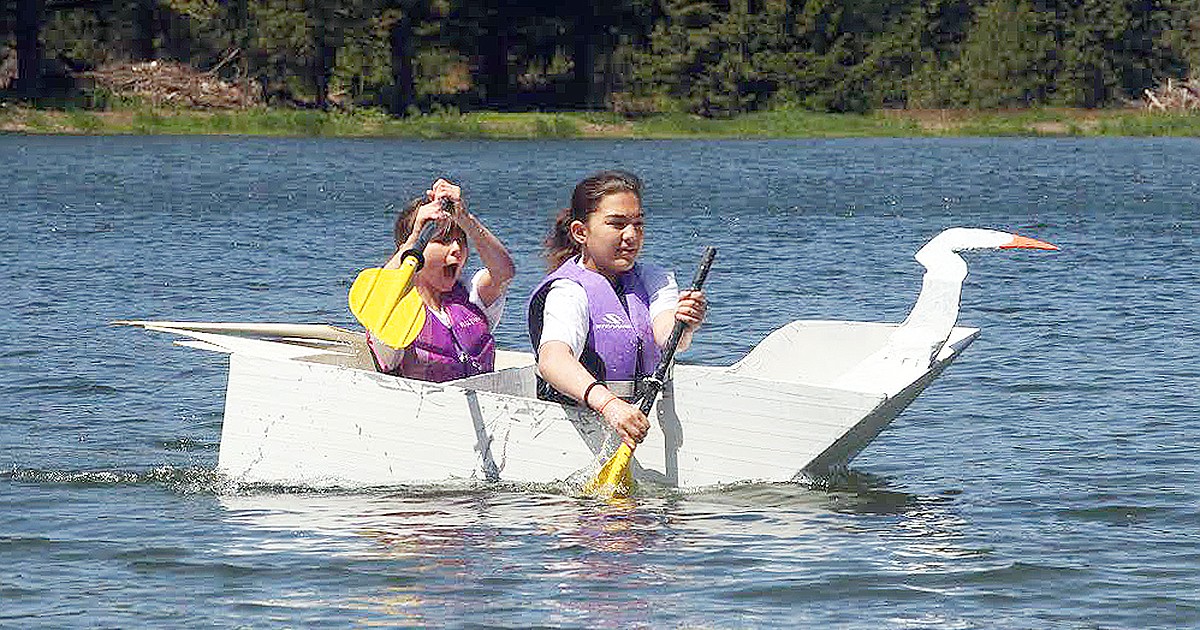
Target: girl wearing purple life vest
{"points": [[598, 320], [456, 341]]}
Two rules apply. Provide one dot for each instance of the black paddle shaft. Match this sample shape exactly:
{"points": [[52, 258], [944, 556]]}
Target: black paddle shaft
{"points": [[427, 231], [653, 386]]}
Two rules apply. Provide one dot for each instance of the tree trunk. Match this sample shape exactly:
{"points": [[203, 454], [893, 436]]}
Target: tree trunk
{"points": [[323, 59], [583, 83], [144, 23], [402, 48], [326, 55], [493, 66], [29, 48]]}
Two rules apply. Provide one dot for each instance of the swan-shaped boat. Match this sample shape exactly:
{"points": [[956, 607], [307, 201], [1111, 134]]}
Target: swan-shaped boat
{"points": [[305, 406]]}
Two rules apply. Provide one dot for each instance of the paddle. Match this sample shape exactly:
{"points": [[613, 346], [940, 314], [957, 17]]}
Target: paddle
{"points": [[383, 299], [614, 479]]}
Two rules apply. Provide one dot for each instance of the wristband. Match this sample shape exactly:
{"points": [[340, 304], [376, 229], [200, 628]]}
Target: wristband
{"points": [[588, 391], [601, 409]]}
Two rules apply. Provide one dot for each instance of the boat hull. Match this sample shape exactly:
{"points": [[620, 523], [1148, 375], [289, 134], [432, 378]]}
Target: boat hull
{"points": [[318, 424]]}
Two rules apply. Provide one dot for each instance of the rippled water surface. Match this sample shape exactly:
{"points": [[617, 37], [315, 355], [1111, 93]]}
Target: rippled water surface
{"points": [[1047, 479]]}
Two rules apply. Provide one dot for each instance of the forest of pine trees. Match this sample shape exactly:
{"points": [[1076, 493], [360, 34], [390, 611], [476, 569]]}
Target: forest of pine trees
{"points": [[713, 58]]}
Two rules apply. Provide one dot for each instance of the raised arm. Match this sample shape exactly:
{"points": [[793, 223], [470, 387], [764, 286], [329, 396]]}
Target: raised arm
{"points": [[498, 265], [431, 211]]}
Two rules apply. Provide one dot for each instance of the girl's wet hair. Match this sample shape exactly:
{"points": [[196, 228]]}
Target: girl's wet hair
{"points": [[559, 246], [404, 226]]}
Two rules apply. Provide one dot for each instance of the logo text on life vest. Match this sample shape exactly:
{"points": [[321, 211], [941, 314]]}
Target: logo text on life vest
{"points": [[612, 321], [470, 320]]}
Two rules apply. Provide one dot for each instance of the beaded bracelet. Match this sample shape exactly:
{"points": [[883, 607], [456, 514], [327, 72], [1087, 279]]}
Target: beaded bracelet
{"points": [[601, 409]]}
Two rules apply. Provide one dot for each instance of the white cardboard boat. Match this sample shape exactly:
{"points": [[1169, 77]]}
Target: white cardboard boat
{"points": [[304, 404]]}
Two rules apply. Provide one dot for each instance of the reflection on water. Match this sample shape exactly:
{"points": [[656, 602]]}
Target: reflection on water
{"points": [[572, 559], [453, 543]]}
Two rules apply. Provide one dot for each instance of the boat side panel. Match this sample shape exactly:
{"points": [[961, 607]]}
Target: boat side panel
{"points": [[298, 422], [813, 352], [531, 440], [718, 427], [514, 381], [858, 437]]}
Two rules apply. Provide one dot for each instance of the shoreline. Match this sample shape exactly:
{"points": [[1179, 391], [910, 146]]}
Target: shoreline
{"points": [[778, 124]]}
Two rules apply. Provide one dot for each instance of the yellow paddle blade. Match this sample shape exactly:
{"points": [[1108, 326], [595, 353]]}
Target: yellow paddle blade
{"points": [[614, 478], [383, 301]]}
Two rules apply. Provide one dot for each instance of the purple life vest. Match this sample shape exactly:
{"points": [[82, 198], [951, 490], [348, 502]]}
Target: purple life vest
{"points": [[620, 343], [442, 353]]}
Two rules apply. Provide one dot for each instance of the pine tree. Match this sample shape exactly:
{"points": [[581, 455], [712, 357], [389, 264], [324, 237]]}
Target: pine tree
{"points": [[701, 55], [1007, 56]]}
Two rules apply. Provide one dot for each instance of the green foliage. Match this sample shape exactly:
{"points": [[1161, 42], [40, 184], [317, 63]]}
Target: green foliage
{"points": [[363, 69], [84, 121], [791, 123], [1089, 77], [1180, 35], [101, 98], [1147, 124], [785, 123], [713, 58], [282, 43], [39, 123]]}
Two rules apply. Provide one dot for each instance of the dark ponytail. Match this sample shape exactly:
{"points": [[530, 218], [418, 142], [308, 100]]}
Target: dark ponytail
{"points": [[559, 246]]}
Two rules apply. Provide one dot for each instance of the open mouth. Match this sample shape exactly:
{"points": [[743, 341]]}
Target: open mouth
{"points": [[451, 270]]}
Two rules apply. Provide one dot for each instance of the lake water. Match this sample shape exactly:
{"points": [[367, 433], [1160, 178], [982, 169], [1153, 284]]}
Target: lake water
{"points": [[1049, 479]]}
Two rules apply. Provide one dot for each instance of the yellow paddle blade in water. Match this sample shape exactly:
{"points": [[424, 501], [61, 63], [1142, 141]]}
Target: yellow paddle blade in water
{"points": [[384, 302], [614, 478]]}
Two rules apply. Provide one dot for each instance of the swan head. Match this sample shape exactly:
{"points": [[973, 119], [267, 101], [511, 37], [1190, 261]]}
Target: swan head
{"points": [[965, 239]]}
